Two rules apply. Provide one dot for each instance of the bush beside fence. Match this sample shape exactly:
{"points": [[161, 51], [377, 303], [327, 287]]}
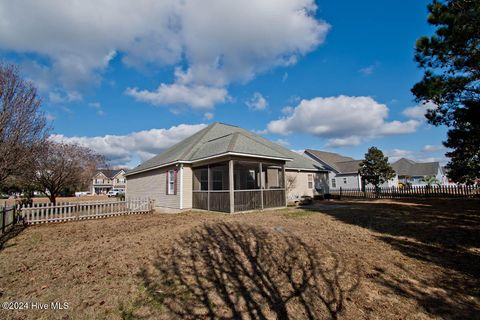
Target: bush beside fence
{"points": [[410, 192]]}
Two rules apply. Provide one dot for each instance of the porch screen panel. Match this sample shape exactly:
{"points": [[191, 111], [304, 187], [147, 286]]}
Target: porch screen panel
{"points": [[200, 188], [246, 175], [200, 179], [211, 188], [272, 175], [219, 177], [219, 188]]}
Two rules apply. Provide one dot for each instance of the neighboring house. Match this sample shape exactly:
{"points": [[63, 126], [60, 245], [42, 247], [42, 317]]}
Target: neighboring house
{"points": [[413, 173], [446, 181], [106, 180], [342, 171], [225, 168]]}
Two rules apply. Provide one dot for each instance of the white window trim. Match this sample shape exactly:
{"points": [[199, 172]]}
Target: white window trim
{"points": [[171, 182], [310, 180]]}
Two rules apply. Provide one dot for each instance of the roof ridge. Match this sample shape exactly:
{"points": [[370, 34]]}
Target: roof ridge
{"points": [[207, 129], [221, 137], [347, 161], [231, 145], [256, 138], [328, 163]]}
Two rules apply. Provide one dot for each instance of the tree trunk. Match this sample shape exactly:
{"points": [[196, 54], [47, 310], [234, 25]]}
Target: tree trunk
{"points": [[53, 198]]}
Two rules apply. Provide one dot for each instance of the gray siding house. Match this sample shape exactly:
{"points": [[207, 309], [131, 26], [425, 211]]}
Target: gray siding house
{"points": [[342, 171], [225, 168], [411, 173]]}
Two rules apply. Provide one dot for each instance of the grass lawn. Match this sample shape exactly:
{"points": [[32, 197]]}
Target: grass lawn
{"points": [[339, 259]]}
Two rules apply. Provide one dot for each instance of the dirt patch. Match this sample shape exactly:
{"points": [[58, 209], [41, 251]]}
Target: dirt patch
{"points": [[294, 263]]}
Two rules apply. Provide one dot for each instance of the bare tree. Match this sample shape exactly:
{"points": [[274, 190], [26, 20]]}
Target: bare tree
{"points": [[61, 166], [23, 126], [291, 183]]}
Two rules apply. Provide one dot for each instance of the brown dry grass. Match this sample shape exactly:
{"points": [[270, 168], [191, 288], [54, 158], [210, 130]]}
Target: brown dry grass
{"points": [[351, 260]]}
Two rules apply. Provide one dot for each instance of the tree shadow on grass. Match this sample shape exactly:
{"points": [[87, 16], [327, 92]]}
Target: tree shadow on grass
{"points": [[445, 233], [437, 231], [10, 234], [445, 297], [233, 271]]}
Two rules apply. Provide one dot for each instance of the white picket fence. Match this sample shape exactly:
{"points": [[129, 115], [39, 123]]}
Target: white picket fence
{"points": [[61, 212]]}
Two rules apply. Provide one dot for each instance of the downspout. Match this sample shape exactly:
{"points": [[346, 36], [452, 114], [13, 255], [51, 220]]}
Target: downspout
{"points": [[181, 186]]}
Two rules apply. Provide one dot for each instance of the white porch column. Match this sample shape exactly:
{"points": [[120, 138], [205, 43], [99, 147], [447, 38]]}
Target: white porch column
{"points": [[285, 185], [181, 186], [231, 186], [261, 183], [209, 183]]}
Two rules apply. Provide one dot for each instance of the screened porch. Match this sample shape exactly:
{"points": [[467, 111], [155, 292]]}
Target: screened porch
{"points": [[234, 186]]}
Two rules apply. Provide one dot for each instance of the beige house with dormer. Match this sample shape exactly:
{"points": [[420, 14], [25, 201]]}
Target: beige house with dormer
{"points": [[226, 168], [106, 180]]}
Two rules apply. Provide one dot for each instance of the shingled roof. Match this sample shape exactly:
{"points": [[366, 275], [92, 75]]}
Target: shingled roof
{"points": [[336, 161], [220, 139], [109, 173], [407, 167], [348, 166]]}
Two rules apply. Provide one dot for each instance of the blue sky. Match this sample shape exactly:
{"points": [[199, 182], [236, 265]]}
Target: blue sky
{"points": [[131, 81]]}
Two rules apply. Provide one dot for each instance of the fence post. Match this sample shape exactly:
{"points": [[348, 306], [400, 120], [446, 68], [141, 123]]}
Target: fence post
{"points": [[4, 212], [77, 211], [340, 197]]}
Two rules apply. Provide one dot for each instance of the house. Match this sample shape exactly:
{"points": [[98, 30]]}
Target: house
{"points": [[106, 180], [411, 173], [225, 168], [342, 171]]}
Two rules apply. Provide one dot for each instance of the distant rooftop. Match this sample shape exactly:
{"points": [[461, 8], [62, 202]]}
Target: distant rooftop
{"points": [[339, 163], [109, 173], [407, 167]]}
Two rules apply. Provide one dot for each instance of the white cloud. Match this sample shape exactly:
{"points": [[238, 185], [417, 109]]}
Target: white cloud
{"points": [[98, 107], [342, 119], [398, 127], [57, 97], [344, 142], [418, 112], [396, 154], [196, 96], [300, 151], [287, 110], [429, 153], [123, 150], [208, 115], [257, 102], [369, 70], [264, 131], [211, 39], [433, 148], [285, 77], [282, 142], [50, 117]]}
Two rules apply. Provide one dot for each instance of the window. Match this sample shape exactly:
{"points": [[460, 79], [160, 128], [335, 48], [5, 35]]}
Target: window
{"points": [[334, 183], [310, 181], [344, 180], [171, 182]]}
